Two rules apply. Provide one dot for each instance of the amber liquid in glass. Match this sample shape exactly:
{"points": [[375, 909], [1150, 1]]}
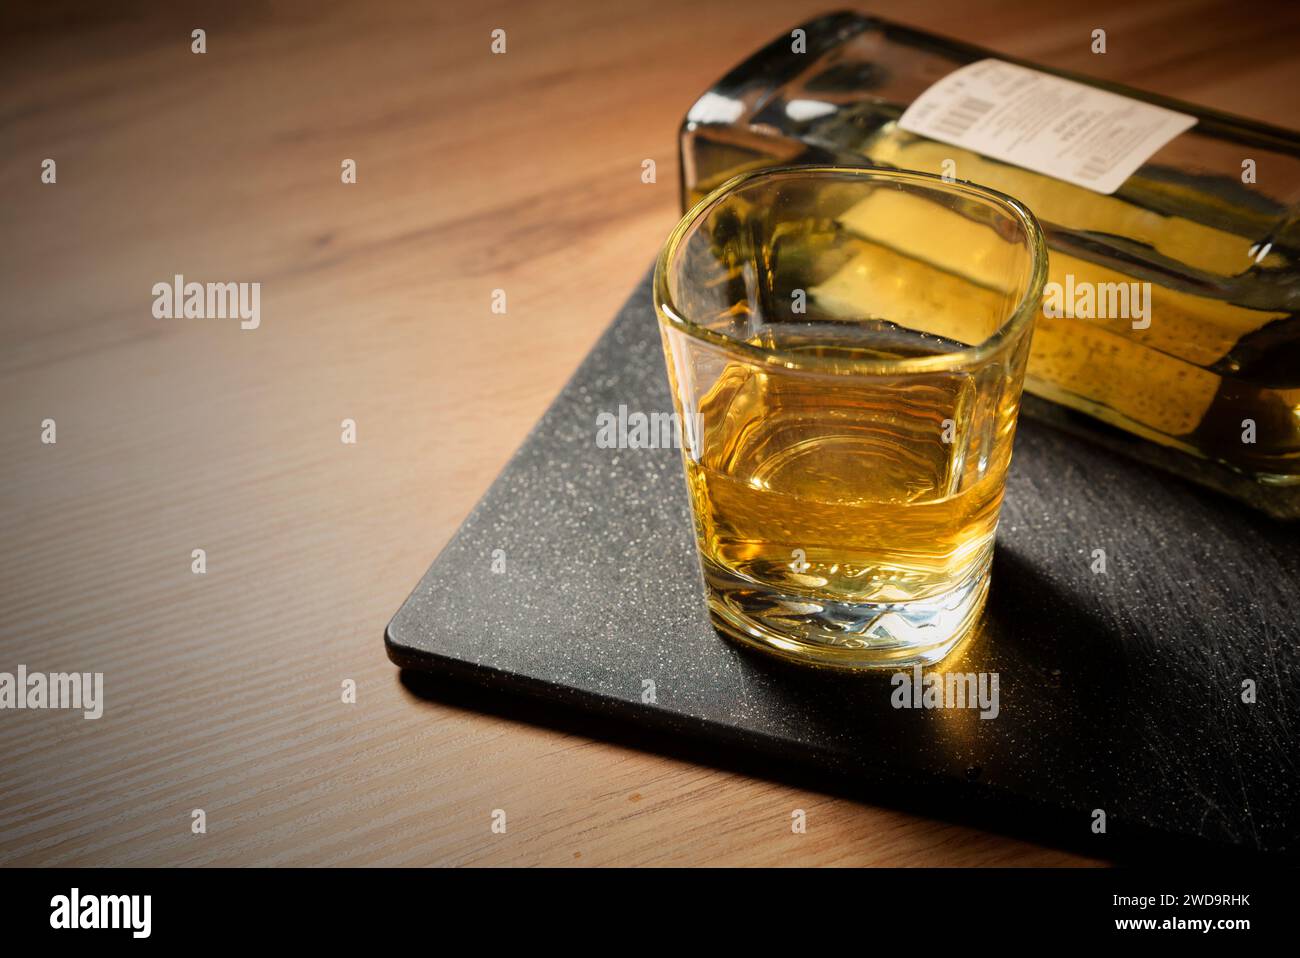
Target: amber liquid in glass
{"points": [[851, 490]]}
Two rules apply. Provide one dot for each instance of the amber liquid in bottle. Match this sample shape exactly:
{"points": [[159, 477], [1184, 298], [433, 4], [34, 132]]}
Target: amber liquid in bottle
{"points": [[1216, 372]]}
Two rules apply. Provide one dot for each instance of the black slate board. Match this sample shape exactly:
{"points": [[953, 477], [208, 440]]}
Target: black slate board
{"points": [[1119, 691]]}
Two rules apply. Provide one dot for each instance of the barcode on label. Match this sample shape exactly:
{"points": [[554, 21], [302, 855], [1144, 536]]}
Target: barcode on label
{"points": [[962, 116], [1094, 168]]}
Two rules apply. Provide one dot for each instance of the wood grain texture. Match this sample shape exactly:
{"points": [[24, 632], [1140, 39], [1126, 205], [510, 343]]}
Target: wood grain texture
{"points": [[475, 172]]}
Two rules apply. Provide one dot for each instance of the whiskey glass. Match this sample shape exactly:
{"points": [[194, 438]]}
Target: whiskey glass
{"points": [[848, 397]]}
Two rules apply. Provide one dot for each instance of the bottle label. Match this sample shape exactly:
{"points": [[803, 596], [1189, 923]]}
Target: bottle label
{"points": [[1074, 132]]}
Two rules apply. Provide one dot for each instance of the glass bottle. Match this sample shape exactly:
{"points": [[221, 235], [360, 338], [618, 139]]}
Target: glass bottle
{"points": [[1211, 383]]}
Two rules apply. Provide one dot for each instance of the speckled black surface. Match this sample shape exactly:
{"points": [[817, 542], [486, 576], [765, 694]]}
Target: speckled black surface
{"points": [[1119, 692]]}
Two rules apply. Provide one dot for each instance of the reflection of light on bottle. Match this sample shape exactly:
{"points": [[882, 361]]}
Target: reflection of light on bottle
{"points": [[1257, 252], [716, 108], [803, 110]]}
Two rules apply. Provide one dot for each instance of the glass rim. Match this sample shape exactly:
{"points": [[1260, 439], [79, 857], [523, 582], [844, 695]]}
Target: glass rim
{"points": [[967, 356]]}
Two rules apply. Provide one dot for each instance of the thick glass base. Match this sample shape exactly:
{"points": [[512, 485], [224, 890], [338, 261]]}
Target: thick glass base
{"points": [[846, 635]]}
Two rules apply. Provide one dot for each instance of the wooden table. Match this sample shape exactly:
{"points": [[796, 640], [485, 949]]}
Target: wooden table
{"points": [[475, 172]]}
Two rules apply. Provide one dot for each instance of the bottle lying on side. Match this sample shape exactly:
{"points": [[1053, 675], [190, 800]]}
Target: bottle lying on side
{"points": [[1170, 310]]}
